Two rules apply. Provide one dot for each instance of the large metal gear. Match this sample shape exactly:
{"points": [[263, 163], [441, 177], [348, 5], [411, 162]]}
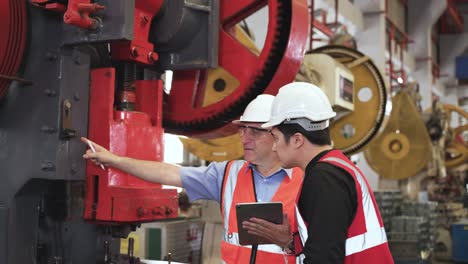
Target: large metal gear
{"points": [[12, 40], [276, 65], [353, 131], [404, 147]]}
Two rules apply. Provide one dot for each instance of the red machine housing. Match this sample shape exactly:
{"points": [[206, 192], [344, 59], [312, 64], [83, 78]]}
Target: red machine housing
{"points": [[112, 195], [139, 49], [13, 19]]}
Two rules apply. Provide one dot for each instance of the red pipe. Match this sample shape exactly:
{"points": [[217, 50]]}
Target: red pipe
{"points": [[323, 28], [455, 15]]}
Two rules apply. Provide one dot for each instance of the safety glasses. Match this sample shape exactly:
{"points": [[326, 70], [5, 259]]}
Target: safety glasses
{"points": [[255, 132]]}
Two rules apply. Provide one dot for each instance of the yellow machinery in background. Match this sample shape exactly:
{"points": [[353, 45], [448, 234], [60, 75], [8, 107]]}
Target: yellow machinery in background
{"points": [[449, 148], [456, 146], [404, 146], [356, 90], [228, 147]]}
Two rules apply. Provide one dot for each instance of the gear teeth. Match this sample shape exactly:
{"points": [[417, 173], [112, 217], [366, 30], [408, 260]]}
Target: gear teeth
{"points": [[341, 51], [258, 86]]}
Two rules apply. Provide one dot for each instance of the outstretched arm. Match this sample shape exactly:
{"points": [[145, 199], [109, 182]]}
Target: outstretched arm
{"points": [[153, 171]]}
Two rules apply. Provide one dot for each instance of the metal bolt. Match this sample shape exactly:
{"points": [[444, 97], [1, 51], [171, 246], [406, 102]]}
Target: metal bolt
{"points": [[48, 129], [134, 52], [56, 260], [51, 56], [152, 56], [73, 169], [168, 211], [47, 166], [141, 211], [144, 20], [50, 92], [76, 97]]}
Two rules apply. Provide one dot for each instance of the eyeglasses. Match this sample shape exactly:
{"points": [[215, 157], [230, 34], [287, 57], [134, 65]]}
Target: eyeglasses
{"points": [[255, 132]]}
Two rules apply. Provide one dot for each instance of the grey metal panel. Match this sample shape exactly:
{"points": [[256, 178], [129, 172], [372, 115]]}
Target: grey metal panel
{"points": [[213, 34], [23, 225], [26, 110], [116, 23], [74, 87], [3, 233], [185, 34], [30, 116], [41, 204], [45, 222]]}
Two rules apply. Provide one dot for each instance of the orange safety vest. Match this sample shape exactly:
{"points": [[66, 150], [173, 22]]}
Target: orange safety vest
{"points": [[238, 187], [366, 241]]}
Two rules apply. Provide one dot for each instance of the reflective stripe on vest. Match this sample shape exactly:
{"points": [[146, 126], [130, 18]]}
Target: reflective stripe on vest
{"points": [[302, 229], [233, 238], [239, 174], [375, 234], [230, 186]]}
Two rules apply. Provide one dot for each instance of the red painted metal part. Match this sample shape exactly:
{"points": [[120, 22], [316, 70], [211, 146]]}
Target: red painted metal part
{"points": [[78, 12], [240, 62], [451, 21], [321, 25], [12, 39], [323, 28], [112, 195], [50, 5], [402, 40], [139, 49]]}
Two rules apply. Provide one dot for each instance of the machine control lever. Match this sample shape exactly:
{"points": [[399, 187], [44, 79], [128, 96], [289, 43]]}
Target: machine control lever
{"points": [[67, 130]]}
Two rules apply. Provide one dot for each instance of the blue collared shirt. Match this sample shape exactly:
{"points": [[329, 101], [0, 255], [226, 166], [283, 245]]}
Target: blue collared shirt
{"points": [[205, 182]]}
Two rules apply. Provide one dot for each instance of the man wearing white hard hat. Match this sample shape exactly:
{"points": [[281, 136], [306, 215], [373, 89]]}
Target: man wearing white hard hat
{"points": [[338, 218], [259, 178]]}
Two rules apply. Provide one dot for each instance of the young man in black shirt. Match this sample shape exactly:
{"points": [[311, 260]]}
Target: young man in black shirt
{"points": [[338, 217]]}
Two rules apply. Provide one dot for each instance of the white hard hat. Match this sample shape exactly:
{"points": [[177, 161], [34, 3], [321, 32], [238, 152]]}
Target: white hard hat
{"points": [[258, 110], [299, 101]]}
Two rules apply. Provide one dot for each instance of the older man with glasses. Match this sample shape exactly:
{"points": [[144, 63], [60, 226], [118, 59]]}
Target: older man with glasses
{"points": [[258, 178]]}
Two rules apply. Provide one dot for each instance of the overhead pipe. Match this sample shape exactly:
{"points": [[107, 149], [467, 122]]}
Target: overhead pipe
{"points": [[402, 42], [322, 26]]}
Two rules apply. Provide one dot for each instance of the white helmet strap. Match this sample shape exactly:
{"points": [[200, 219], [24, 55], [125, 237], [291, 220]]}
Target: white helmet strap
{"points": [[308, 124]]}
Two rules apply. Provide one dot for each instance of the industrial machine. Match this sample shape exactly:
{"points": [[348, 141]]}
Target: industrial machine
{"points": [[93, 68], [457, 146], [356, 90], [225, 147], [404, 137]]}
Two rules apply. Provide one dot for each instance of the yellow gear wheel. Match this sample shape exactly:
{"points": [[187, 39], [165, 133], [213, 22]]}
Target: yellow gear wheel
{"points": [[352, 131], [404, 147], [395, 146]]}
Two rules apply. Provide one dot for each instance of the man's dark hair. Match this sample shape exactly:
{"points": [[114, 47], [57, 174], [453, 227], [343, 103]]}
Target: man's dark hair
{"points": [[318, 137]]}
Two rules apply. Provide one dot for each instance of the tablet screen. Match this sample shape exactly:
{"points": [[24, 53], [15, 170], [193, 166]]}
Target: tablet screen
{"points": [[272, 212]]}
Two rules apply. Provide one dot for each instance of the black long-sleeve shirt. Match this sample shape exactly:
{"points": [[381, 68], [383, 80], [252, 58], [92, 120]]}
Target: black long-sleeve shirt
{"points": [[328, 203]]}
